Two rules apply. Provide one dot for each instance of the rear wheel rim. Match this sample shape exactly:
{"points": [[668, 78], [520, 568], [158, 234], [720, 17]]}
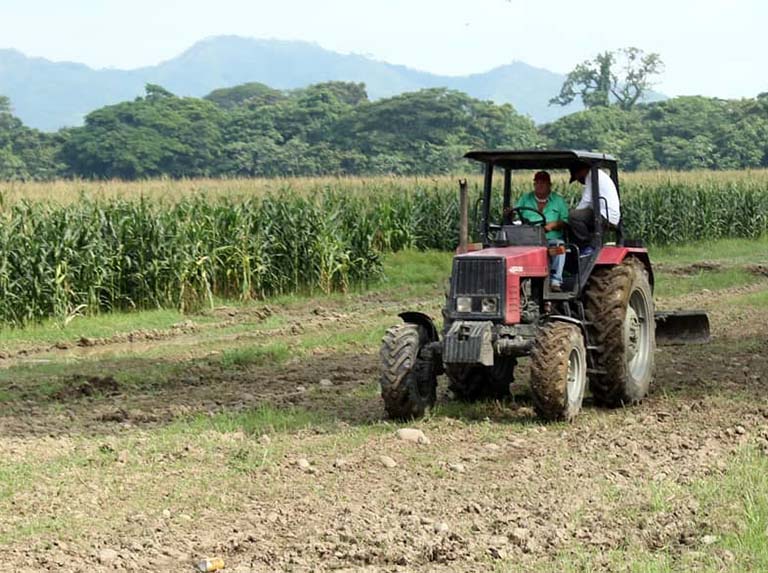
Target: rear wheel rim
{"points": [[575, 379], [637, 334]]}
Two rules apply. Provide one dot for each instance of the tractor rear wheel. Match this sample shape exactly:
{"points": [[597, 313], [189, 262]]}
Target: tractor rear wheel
{"points": [[619, 306], [470, 383], [558, 371], [408, 380]]}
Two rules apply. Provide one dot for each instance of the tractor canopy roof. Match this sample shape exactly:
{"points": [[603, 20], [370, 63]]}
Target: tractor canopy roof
{"points": [[542, 158]]}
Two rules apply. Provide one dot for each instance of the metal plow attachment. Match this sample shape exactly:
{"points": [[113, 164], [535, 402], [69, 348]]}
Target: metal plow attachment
{"points": [[682, 327]]}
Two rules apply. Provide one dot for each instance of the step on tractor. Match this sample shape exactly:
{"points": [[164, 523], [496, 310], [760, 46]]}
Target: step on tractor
{"points": [[598, 329]]}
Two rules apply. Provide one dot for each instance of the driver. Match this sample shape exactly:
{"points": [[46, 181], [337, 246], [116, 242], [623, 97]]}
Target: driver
{"points": [[555, 210]]}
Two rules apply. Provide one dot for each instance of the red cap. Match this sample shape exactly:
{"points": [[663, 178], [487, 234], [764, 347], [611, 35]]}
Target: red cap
{"points": [[542, 176]]}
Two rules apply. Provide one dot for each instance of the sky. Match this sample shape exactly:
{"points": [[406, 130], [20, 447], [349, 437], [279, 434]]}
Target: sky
{"points": [[712, 48]]}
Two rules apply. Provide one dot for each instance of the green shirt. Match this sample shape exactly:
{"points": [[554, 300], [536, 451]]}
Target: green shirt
{"points": [[556, 209]]}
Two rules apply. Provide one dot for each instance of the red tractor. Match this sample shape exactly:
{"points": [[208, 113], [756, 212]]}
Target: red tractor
{"points": [[599, 328]]}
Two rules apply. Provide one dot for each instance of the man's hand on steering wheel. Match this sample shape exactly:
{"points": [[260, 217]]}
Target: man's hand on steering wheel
{"points": [[518, 211]]}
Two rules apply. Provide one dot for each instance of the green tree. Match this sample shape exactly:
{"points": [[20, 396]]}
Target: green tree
{"points": [[349, 93], [623, 76], [26, 153], [296, 133], [253, 93], [680, 133], [428, 131], [159, 134], [608, 129]]}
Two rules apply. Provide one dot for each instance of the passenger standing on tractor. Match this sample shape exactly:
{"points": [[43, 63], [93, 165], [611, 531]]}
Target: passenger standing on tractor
{"points": [[555, 210], [581, 219]]}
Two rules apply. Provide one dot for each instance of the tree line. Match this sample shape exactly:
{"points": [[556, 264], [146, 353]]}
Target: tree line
{"points": [[333, 128]]}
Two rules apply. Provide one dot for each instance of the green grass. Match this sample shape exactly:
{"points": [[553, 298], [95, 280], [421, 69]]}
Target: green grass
{"points": [[40, 381], [274, 353], [265, 419], [411, 268], [187, 446], [733, 507], [731, 254], [35, 528], [674, 285], [742, 489], [97, 326], [755, 300], [345, 340], [731, 251]]}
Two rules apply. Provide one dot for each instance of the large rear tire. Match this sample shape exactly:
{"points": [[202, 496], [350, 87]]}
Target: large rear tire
{"points": [[408, 380], [619, 307], [470, 383], [558, 371]]}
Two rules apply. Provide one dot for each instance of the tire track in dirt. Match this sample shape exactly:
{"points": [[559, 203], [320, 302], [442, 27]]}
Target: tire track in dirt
{"points": [[526, 492], [544, 490]]}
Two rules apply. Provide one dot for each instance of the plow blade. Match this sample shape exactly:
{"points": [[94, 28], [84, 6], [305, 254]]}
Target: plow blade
{"points": [[682, 327]]}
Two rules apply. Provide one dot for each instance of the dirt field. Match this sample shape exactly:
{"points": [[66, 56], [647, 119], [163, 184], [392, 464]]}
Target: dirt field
{"points": [[256, 434]]}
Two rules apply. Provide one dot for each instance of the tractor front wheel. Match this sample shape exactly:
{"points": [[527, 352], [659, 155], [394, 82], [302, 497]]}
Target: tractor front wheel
{"points": [[408, 380], [558, 371]]}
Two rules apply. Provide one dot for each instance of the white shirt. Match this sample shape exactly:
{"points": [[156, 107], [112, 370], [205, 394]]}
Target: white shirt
{"points": [[607, 191]]}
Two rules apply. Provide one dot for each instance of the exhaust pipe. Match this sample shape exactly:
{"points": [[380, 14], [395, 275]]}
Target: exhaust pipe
{"points": [[463, 217]]}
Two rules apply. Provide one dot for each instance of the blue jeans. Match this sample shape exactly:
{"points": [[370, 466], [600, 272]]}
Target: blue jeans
{"points": [[556, 263]]}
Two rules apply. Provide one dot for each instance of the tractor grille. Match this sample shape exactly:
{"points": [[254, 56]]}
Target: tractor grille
{"points": [[478, 276], [477, 289]]}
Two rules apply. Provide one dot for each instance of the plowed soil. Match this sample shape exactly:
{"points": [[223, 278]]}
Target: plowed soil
{"points": [[100, 475]]}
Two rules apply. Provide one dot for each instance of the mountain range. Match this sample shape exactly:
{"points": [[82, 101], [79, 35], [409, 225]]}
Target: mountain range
{"points": [[49, 95]]}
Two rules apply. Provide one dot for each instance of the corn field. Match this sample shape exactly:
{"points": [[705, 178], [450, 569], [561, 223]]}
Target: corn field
{"points": [[94, 257], [96, 249]]}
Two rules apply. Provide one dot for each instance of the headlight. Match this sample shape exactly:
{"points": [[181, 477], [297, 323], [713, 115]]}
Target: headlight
{"points": [[489, 305], [463, 304]]}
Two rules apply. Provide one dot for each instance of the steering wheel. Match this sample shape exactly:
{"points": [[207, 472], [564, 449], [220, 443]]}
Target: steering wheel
{"points": [[518, 211]]}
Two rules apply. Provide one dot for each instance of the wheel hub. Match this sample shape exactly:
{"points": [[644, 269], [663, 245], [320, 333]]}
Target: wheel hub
{"points": [[637, 333], [574, 376], [633, 331]]}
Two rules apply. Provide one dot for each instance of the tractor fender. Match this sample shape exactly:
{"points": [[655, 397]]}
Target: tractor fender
{"points": [[611, 256], [570, 320], [422, 320]]}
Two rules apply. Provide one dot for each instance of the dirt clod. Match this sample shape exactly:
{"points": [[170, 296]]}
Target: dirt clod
{"points": [[761, 270], [387, 462], [108, 556], [441, 527], [412, 435], [81, 386]]}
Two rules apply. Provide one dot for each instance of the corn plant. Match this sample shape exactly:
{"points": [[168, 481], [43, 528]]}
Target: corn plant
{"points": [[100, 249]]}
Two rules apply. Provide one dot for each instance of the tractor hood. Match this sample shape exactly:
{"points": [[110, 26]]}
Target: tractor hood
{"points": [[520, 261]]}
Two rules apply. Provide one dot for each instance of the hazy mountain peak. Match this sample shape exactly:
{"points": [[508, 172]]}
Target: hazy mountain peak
{"points": [[49, 95]]}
